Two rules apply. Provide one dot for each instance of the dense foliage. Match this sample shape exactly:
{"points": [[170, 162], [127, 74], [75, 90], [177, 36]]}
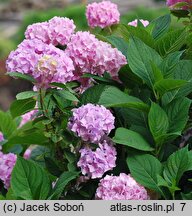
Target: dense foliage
{"points": [[113, 121]]}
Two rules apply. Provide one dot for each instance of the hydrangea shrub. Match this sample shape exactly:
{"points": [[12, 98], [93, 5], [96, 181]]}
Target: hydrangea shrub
{"points": [[109, 117]]}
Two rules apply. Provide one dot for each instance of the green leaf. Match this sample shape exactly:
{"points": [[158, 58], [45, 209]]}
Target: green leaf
{"points": [[165, 85], [20, 107], [182, 71], [140, 57], [178, 114], [177, 163], [62, 182], [145, 168], [29, 181], [52, 166], [22, 76], [132, 139], [161, 26], [187, 196], [158, 122], [126, 31], [171, 42], [7, 124], [169, 63], [65, 94], [26, 95], [110, 96]]}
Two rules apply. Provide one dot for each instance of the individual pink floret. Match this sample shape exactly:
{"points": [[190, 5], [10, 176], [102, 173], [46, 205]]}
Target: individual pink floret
{"points": [[122, 187], [102, 14]]}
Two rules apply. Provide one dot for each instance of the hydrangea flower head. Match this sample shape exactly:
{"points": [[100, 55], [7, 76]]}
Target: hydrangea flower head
{"points": [[122, 187], [45, 63], [94, 164], [7, 163], [102, 14], [93, 56], [135, 22], [91, 122], [60, 30], [173, 2], [56, 31]]}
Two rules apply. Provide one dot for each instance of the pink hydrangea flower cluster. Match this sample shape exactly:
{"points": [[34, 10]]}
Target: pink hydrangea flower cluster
{"points": [[173, 2], [93, 56], [102, 14], [95, 163], [135, 22], [1, 137], [7, 163], [27, 117], [91, 122], [45, 63], [122, 187], [56, 31]]}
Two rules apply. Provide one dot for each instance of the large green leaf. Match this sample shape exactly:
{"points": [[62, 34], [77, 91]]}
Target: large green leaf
{"points": [[26, 95], [62, 182], [127, 31], [182, 71], [29, 181], [145, 168], [65, 94], [22, 76], [140, 57], [20, 107], [160, 26], [132, 139], [7, 124], [178, 114], [158, 122], [178, 163], [165, 85], [171, 42], [110, 96]]}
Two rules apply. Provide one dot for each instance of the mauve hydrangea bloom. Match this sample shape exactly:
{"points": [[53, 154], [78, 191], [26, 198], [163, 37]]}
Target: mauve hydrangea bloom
{"points": [[45, 63], [135, 22], [93, 56], [1, 137], [38, 31], [102, 14], [57, 31], [173, 2], [91, 122], [27, 154], [122, 187], [27, 117], [95, 163], [7, 162]]}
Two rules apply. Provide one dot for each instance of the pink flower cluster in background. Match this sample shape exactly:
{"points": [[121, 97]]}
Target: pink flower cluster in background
{"points": [[95, 163], [1, 137], [7, 162], [171, 3], [28, 117], [102, 14], [122, 187], [93, 56], [56, 31], [135, 22], [91, 122]]}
